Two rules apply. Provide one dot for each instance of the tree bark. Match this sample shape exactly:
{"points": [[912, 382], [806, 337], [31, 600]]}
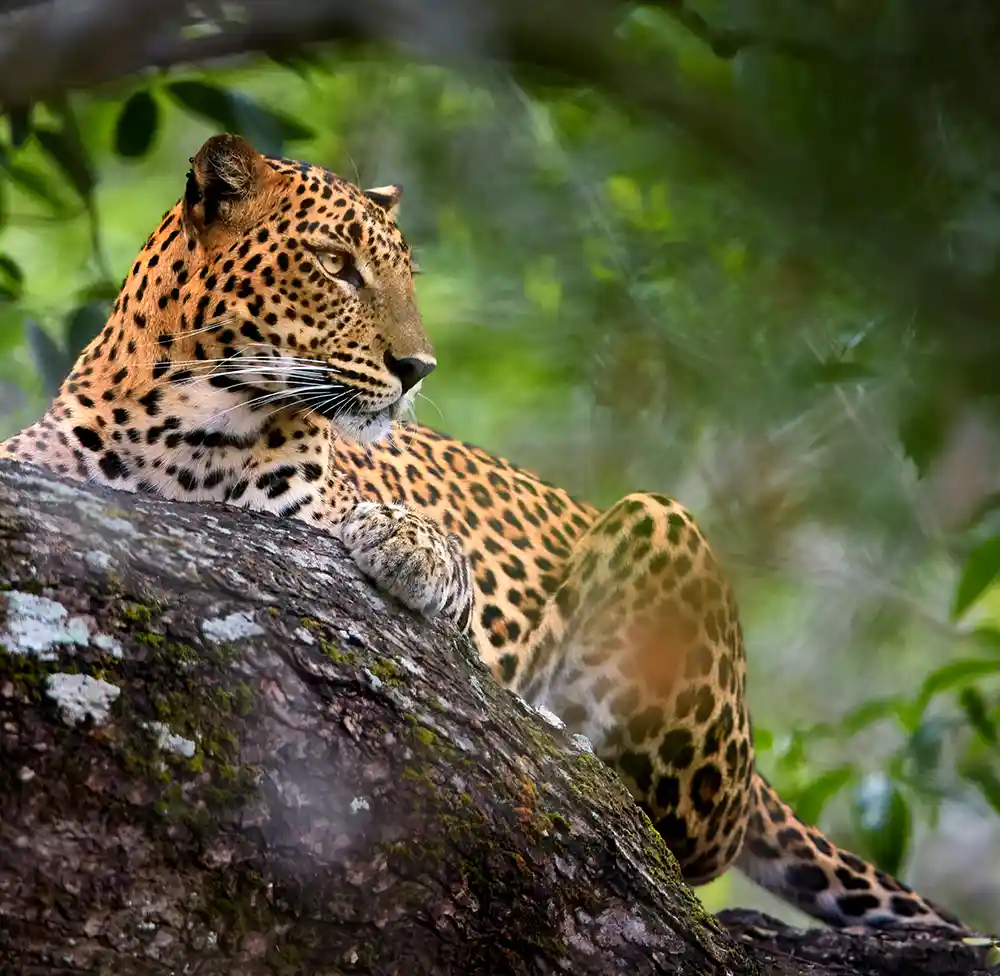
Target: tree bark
{"points": [[222, 751]]}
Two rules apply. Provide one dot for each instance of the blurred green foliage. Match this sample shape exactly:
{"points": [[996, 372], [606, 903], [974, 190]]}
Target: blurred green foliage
{"points": [[619, 308]]}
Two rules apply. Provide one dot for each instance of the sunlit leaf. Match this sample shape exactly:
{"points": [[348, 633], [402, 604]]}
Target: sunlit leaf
{"points": [[733, 257], [11, 329], [810, 802], [868, 713], [955, 674], [625, 195], [137, 124], [981, 568], [883, 820], [763, 739], [986, 637], [36, 185], [790, 749], [70, 156], [542, 287]]}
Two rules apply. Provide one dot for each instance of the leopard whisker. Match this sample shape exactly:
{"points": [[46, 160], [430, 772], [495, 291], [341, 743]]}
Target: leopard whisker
{"points": [[424, 396], [322, 405], [291, 395]]}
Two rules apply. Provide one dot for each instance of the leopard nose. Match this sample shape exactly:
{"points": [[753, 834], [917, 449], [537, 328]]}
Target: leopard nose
{"points": [[409, 370]]}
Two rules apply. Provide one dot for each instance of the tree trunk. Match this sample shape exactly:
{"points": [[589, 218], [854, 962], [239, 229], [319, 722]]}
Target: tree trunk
{"points": [[222, 751]]}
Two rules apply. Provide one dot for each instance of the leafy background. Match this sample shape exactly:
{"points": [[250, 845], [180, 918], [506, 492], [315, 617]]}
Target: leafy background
{"points": [[789, 326]]}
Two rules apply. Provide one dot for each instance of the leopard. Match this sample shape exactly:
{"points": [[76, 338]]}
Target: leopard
{"points": [[264, 352]]}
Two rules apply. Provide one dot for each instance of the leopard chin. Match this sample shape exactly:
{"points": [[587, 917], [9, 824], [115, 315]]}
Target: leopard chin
{"points": [[372, 427]]}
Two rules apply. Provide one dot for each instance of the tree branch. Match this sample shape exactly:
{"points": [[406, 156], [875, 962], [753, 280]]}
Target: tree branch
{"points": [[46, 52], [222, 751]]}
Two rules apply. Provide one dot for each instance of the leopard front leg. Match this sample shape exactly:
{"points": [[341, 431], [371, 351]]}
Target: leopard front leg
{"points": [[412, 558], [640, 650]]}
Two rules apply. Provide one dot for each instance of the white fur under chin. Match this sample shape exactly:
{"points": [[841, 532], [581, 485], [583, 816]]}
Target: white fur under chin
{"points": [[372, 428], [363, 430]]}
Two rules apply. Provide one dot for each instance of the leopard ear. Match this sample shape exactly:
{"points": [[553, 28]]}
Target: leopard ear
{"points": [[225, 175], [386, 197]]}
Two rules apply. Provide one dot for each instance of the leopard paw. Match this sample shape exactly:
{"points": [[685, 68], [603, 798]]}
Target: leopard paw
{"points": [[410, 557]]}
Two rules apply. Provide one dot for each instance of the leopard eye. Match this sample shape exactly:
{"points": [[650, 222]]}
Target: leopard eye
{"points": [[338, 264]]}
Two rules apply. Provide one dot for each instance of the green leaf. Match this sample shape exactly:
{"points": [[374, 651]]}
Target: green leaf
{"points": [[11, 337], [986, 637], [763, 739], [36, 185], [814, 797], [236, 112], [208, 101], [922, 433], [292, 130], [20, 126], [82, 324], [983, 777], [102, 290], [301, 62], [868, 713], [883, 820], [954, 674], [834, 371], [51, 362], [977, 714], [70, 156], [266, 129], [625, 196], [136, 126], [258, 125], [924, 747], [542, 285], [981, 569], [11, 278]]}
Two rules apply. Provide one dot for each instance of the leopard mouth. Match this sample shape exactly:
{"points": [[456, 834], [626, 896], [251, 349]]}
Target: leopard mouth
{"points": [[364, 425], [355, 412]]}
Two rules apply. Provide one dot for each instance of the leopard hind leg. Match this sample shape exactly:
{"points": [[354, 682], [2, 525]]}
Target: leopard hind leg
{"points": [[640, 650]]}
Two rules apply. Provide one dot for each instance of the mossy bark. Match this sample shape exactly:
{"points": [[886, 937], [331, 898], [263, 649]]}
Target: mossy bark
{"points": [[254, 763]]}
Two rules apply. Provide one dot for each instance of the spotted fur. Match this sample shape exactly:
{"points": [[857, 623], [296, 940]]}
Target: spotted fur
{"points": [[260, 353]]}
